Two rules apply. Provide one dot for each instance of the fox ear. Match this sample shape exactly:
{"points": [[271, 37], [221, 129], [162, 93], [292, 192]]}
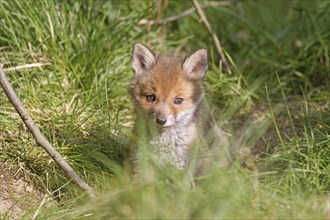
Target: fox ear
{"points": [[143, 59], [195, 66]]}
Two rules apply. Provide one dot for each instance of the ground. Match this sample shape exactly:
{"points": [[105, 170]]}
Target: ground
{"points": [[17, 195]]}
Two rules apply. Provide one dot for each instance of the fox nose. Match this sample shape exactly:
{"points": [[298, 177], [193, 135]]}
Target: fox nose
{"points": [[161, 121]]}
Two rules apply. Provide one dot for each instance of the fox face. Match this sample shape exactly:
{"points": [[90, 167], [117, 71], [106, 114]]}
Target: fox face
{"points": [[167, 89]]}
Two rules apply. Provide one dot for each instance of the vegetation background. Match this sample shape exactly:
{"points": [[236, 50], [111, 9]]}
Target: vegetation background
{"points": [[275, 105]]}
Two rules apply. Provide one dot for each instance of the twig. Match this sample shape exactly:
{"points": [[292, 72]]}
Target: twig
{"points": [[26, 66], [41, 140], [186, 13], [159, 10], [213, 35]]}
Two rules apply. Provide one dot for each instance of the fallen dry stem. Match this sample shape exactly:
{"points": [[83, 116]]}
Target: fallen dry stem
{"points": [[41, 140], [186, 13], [26, 66], [215, 39]]}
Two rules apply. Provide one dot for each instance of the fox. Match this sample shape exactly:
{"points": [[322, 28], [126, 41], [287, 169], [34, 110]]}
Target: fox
{"points": [[168, 98]]}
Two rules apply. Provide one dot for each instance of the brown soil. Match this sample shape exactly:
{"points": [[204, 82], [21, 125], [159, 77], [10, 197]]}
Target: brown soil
{"points": [[17, 196]]}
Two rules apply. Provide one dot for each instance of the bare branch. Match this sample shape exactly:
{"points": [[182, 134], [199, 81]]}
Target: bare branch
{"points": [[213, 35], [186, 13], [41, 140]]}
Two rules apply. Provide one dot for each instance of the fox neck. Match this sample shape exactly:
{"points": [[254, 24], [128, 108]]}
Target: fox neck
{"points": [[171, 145]]}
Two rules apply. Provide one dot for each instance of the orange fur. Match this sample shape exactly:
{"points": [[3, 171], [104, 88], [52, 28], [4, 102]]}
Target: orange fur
{"points": [[167, 81]]}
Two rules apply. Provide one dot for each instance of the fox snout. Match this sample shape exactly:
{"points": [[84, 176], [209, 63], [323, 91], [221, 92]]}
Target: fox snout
{"points": [[163, 117], [165, 122], [161, 121]]}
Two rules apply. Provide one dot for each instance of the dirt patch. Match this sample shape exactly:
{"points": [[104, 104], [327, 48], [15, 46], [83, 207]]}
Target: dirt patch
{"points": [[17, 195]]}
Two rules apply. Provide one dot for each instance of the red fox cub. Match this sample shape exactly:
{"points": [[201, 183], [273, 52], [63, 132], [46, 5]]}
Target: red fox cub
{"points": [[168, 96]]}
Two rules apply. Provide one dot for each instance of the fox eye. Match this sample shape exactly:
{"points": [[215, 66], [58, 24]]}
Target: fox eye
{"points": [[151, 98], [178, 101]]}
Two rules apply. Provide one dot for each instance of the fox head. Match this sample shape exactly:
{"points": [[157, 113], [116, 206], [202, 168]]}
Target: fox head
{"points": [[168, 89]]}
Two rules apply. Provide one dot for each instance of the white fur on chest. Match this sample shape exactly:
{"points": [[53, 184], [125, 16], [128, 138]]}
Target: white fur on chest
{"points": [[172, 145]]}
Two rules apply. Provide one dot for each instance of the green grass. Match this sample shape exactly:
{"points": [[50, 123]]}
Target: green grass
{"points": [[275, 105]]}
